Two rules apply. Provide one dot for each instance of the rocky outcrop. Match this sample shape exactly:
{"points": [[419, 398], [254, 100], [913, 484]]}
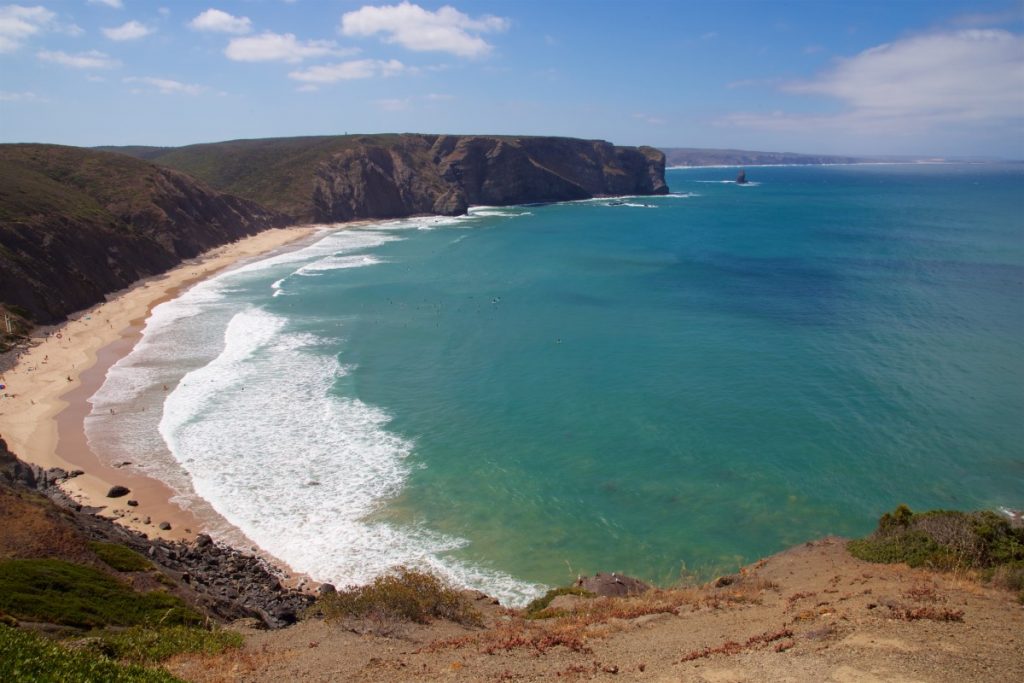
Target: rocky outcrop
{"points": [[77, 224], [613, 585]]}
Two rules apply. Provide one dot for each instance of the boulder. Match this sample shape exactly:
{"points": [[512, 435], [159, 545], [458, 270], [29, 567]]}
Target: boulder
{"points": [[117, 491], [612, 585]]}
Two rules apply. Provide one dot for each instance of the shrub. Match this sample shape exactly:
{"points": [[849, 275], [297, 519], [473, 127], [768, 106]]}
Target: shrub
{"points": [[60, 592], [26, 656], [120, 558], [535, 609], [404, 595], [943, 539]]}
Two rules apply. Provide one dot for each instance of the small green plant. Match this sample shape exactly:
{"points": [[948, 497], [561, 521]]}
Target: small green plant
{"points": [[60, 592], [26, 656], [120, 558], [142, 644], [537, 608], [403, 595]]}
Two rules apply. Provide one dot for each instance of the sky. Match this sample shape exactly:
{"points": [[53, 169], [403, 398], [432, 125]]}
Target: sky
{"points": [[860, 77]]}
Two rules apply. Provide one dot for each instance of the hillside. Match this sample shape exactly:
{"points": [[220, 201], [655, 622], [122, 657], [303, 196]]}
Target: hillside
{"points": [[340, 178], [76, 224], [691, 156]]}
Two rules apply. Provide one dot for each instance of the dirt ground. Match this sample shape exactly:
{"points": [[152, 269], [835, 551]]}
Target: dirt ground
{"points": [[812, 613]]}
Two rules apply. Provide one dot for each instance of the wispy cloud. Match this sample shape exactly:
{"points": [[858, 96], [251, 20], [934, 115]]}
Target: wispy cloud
{"points": [[19, 23], [93, 59], [280, 47], [116, 4], [415, 28], [348, 71], [130, 30], [963, 77], [6, 96], [215, 20], [166, 86], [650, 120]]}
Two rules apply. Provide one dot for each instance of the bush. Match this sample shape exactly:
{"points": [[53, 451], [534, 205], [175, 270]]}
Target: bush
{"points": [[28, 657], [141, 645], [942, 539], [120, 558], [404, 595], [60, 592], [537, 607]]}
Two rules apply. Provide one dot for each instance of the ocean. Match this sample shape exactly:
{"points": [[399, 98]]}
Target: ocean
{"points": [[660, 386]]}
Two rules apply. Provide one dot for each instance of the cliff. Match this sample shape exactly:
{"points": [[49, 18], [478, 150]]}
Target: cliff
{"points": [[76, 224], [342, 178]]}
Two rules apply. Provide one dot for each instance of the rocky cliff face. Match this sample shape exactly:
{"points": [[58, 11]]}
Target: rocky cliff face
{"points": [[445, 174], [77, 224]]}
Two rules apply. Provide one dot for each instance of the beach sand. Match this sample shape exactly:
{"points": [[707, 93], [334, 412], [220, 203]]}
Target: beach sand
{"points": [[44, 405]]}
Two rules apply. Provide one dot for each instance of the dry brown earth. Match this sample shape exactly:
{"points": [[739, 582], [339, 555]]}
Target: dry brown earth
{"points": [[812, 613]]}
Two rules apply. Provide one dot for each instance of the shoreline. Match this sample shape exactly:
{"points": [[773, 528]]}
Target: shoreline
{"points": [[48, 385]]}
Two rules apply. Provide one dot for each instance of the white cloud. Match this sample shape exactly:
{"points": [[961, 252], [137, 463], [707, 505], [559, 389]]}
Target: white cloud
{"points": [[348, 71], [93, 59], [18, 23], [116, 4], [650, 120], [411, 26], [278, 47], [130, 30], [393, 104], [963, 77], [220, 22], [166, 86], [6, 96]]}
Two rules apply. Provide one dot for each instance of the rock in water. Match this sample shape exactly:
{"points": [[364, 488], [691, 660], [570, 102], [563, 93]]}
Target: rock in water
{"points": [[741, 179]]}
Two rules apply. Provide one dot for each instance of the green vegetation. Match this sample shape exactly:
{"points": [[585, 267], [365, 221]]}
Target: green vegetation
{"points": [[120, 558], [28, 657], [142, 645], [404, 595], [60, 592], [536, 608], [948, 539]]}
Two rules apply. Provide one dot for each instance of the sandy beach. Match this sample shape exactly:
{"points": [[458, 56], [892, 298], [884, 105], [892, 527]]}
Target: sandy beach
{"points": [[45, 400]]}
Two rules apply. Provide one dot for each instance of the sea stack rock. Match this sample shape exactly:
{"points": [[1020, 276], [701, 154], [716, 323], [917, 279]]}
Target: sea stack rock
{"points": [[741, 179]]}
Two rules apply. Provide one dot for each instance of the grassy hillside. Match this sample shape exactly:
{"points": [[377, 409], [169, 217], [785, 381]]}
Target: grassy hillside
{"points": [[77, 223]]}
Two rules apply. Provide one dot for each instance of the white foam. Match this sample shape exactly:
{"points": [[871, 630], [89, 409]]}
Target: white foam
{"points": [[338, 262]]}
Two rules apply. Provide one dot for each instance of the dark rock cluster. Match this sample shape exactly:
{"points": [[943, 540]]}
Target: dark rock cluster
{"points": [[224, 582]]}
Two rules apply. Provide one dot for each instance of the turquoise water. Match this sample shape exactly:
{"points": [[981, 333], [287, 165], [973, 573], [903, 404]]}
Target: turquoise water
{"points": [[682, 382]]}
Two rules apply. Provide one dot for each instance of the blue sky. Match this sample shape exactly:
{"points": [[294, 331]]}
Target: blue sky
{"points": [[859, 77]]}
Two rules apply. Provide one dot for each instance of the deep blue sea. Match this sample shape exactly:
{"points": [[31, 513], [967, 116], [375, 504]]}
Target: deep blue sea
{"points": [[663, 385]]}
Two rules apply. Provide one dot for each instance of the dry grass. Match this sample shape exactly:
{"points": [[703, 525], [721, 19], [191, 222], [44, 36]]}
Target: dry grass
{"points": [[733, 648]]}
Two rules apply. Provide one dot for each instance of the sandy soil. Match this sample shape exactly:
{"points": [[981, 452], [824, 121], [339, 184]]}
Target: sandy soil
{"points": [[45, 401], [813, 613]]}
